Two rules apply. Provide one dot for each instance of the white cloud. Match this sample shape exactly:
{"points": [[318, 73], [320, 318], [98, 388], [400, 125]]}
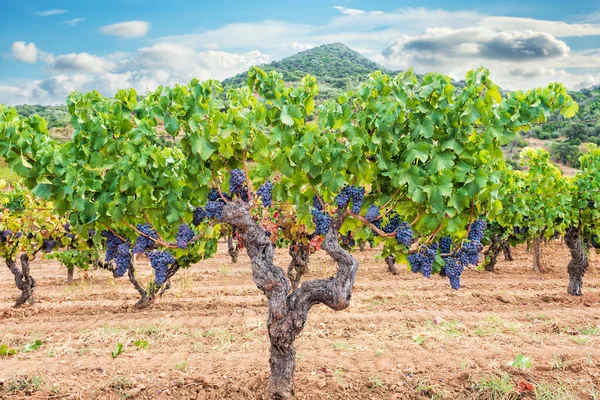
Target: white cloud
{"points": [[129, 29], [26, 52], [74, 21], [80, 62], [48, 13]]}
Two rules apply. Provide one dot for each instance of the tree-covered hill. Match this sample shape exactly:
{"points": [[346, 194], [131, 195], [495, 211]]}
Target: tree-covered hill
{"points": [[336, 67]]}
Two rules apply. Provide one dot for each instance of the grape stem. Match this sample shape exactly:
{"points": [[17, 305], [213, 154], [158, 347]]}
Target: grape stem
{"points": [[416, 219], [157, 241], [375, 228], [320, 200], [155, 230], [470, 220], [248, 183], [218, 188]]}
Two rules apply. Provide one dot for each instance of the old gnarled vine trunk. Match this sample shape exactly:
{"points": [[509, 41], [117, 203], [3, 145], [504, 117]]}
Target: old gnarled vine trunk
{"points": [[507, 252], [288, 310], [300, 254], [493, 251], [23, 280], [232, 249], [391, 263], [579, 260], [537, 255]]}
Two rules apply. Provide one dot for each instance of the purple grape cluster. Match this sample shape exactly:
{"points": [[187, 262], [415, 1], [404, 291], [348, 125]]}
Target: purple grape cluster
{"points": [[404, 234], [160, 262], [236, 181], [112, 245], [317, 203], [520, 230], [322, 221], [477, 230], [143, 242], [48, 245], [392, 224], [67, 227], [453, 270], [5, 235], [355, 194], [184, 235], [214, 209], [264, 191], [469, 252], [445, 244], [199, 216], [18, 235], [372, 213], [213, 195], [123, 258], [423, 260]]}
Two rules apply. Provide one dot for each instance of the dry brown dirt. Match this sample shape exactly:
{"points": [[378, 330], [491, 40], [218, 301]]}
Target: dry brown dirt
{"points": [[403, 337]]}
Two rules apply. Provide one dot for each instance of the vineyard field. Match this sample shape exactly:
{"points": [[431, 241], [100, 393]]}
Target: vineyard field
{"points": [[403, 337]]}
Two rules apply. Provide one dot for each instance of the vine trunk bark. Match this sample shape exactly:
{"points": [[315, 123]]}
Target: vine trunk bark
{"points": [[493, 251], [70, 274], [507, 252], [391, 263], [537, 255], [288, 310], [298, 267], [233, 251], [361, 246], [23, 280], [579, 260]]}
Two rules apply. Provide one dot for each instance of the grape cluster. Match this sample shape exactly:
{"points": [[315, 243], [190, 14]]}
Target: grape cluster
{"points": [[520, 230], [469, 252], [213, 195], [18, 235], [123, 258], [67, 227], [184, 235], [445, 244], [236, 181], [476, 230], [199, 215], [348, 193], [453, 271], [423, 260], [404, 234], [317, 203], [214, 209], [264, 191], [372, 213], [322, 221], [112, 245], [5, 235], [392, 225], [143, 242], [48, 245], [160, 262]]}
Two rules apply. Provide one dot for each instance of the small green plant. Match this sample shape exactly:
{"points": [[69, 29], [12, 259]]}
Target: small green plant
{"points": [[376, 382], [118, 351], [338, 374], [496, 387], [581, 339], [521, 362], [25, 384], [182, 366], [32, 346], [344, 346], [418, 339], [558, 363], [6, 351], [120, 383], [141, 344]]}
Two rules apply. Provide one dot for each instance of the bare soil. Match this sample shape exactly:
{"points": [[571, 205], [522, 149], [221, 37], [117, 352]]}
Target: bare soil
{"points": [[403, 337]]}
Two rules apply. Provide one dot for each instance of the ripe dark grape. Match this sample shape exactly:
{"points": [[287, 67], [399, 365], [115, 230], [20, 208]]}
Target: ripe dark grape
{"points": [[160, 262], [236, 181], [214, 209], [123, 258], [453, 270], [372, 213], [143, 242], [67, 227], [343, 198], [469, 252], [213, 195], [199, 215], [404, 234], [317, 203], [18, 235], [322, 221], [48, 245], [423, 260], [112, 245], [445, 244], [392, 225], [477, 230], [358, 196], [184, 235], [264, 191], [5, 235]]}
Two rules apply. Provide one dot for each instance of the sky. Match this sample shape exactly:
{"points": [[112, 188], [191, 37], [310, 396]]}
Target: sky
{"points": [[50, 48]]}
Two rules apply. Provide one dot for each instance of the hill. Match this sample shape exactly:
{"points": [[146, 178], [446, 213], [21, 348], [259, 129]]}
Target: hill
{"points": [[336, 67]]}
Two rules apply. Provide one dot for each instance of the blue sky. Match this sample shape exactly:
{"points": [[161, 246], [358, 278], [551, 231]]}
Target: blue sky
{"points": [[49, 48]]}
